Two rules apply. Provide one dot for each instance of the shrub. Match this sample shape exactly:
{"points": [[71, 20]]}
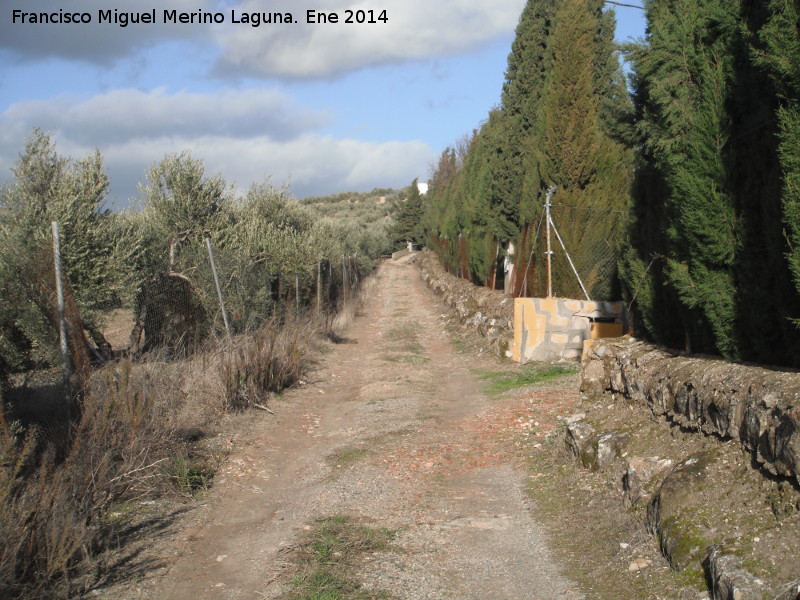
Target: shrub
{"points": [[270, 360], [54, 500]]}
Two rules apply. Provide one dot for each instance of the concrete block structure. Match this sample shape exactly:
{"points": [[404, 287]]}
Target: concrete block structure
{"points": [[556, 328]]}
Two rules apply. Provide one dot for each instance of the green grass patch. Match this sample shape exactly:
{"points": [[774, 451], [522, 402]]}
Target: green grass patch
{"points": [[190, 477], [404, 332], [415, 359], [347, 456], [460, 346], [328, 556], [500, 382]]}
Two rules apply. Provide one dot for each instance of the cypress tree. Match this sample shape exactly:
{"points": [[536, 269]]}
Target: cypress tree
{"points": [[766, 297], [529, 65], [561, 120], [408, 220], [715, 220], [777, 51], [589, 168], [684, 79]]}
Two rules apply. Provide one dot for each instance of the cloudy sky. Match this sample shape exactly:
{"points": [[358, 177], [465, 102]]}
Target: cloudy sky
{"points": [[324, 108]]}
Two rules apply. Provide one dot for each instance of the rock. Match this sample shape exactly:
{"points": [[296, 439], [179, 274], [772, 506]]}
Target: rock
{"points": [[609, 448], [594, 451], [682, 541], [729, 581], [639, 563], [593, 379], [639, 473], [580, 439], [489, 312], [575, 418]]}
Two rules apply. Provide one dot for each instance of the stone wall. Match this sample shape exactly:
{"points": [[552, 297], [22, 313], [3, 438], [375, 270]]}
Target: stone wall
{"points": [[489, 312], [757, 406], [547, 329]]}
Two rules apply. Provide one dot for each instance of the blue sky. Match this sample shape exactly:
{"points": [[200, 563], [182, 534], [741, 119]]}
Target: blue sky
{"points": [[323, 108]]}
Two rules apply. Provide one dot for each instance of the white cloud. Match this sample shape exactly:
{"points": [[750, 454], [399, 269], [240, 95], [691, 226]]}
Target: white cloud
{"points": [[129, 114], [133, 130], [311, 164], [416, 29]]}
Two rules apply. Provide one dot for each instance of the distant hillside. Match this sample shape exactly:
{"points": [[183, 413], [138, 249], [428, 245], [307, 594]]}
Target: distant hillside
{"points": [[379, 204]]}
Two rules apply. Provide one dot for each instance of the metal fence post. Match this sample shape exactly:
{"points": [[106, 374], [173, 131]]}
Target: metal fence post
{"points": [[219, 290], [62, 322], [297, 295], [319, 287], [549, 252]]}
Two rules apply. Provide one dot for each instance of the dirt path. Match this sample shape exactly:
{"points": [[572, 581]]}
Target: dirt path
{"points": [[393, 430]]}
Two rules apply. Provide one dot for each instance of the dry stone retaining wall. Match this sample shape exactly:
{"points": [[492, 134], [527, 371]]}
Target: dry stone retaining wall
{"points": [[489, 312], [700, 506], [759, 407]]}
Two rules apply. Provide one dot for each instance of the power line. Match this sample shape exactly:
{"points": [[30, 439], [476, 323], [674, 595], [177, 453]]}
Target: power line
{"points": [[625, 5]]}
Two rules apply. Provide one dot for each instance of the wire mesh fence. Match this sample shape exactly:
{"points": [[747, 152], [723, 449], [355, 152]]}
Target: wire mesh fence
{"points": [[207, 293], [584, 249], [180, 308], [586, 263]]}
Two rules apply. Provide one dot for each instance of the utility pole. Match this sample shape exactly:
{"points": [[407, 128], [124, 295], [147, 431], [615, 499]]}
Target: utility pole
{"points": [[549, 252]]}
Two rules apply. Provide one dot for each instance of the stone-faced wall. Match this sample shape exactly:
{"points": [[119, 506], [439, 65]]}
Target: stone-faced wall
{"points": [[757, 406], [489, 312], [555, 328]]}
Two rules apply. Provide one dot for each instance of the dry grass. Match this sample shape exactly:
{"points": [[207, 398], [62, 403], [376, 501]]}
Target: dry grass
{"points": [[266, 361], [135, 437], [55, 493], [346, 316]]}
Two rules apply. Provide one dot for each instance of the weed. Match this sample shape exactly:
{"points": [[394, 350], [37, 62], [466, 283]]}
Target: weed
{"points": [[56, 494], [460, 346], [328, 555], [271, 359], [414, 359], [407, 351], [403, 332], [190, 477]]}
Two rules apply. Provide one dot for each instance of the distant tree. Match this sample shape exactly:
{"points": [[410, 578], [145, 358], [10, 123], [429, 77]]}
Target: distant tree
{"points": [[408, 219]]}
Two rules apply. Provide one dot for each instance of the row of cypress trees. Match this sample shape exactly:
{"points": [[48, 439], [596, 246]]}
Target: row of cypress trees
{"points": [[693, 174], [715, 206], [562, 121]]}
